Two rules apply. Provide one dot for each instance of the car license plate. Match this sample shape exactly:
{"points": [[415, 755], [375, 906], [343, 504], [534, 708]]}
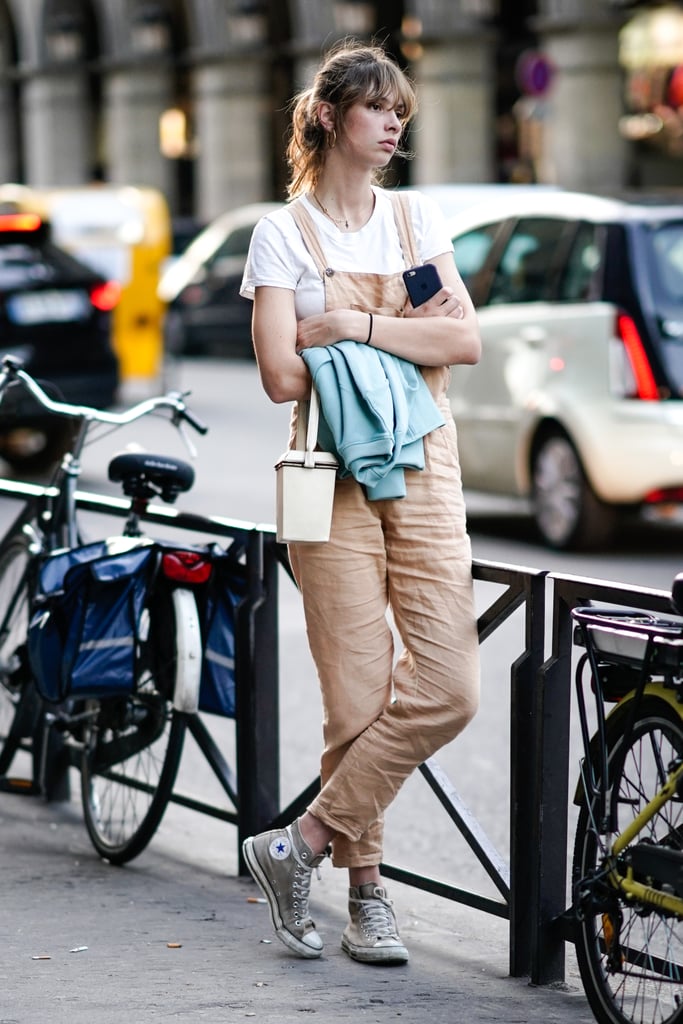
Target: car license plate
{"points": [[48, 307]]}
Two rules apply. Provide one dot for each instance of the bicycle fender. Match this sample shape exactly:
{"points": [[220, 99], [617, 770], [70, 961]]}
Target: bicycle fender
{"points": [[189, 652], [652, 689]]}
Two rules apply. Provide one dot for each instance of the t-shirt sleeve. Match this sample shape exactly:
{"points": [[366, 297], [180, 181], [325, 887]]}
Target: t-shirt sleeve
{"points": [[431, 234], [270, 261]]}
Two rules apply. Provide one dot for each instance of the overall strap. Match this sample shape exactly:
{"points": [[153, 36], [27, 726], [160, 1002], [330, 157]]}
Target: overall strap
{"points": [[309, 233], [404, 225], [402, 218]]}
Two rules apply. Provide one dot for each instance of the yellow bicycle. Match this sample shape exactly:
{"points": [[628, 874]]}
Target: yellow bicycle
{"points": [[627, 872]]}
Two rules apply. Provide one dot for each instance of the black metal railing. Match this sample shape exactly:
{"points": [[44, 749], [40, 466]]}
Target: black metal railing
{"points": [[532, 887]]}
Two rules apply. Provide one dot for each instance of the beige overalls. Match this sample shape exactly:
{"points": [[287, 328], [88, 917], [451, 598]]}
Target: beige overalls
{"points": [[380, 720]]}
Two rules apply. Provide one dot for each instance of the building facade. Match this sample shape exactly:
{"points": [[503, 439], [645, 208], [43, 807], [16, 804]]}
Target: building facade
{"points": [[190, 96]]}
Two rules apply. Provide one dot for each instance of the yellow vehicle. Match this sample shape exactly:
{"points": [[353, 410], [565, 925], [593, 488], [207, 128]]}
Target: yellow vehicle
{"points": [[124, 232]]}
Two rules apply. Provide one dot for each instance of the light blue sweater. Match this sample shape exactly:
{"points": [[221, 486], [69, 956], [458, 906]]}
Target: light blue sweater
{"points": [[376, 409]]}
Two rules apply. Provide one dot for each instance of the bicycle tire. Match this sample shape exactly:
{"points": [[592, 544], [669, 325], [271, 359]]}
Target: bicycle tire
{"points": [[630, 956], [16, 714], [132, 749]]}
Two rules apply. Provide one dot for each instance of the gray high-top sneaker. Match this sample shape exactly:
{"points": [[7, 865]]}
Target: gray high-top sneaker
{"points": [[372, 933], [281, 863]]}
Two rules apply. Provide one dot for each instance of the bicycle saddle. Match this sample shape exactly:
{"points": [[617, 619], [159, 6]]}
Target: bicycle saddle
{"points": [[144, 475]]}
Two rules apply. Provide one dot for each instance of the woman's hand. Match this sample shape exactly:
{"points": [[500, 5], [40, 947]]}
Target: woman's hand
{"points": [[327, 328], [444, 303], [443, 331]]}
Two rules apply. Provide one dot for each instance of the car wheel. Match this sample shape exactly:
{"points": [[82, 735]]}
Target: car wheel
{"points": [[566, 511], [35, 449]]}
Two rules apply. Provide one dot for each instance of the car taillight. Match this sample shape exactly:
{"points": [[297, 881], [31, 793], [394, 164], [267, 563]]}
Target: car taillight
{"points": [[105, 296], [20, 222], [643, 384], [186, 566], [664, 494]]}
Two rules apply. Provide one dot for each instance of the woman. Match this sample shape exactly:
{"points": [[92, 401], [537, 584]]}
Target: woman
{"points": [[326, 268]]}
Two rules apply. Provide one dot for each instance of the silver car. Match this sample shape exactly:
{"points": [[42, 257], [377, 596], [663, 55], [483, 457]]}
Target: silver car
{"points": [[577, 402]]}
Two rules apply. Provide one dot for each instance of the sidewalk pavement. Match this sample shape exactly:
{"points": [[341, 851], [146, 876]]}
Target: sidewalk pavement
{"points": [[168, 939]]}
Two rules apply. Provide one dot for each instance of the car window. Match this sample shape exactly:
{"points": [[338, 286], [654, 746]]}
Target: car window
{"points": [[580, 268], [23, 264], [667, 246], [20, 265], [527, 265], [472, 249], [236, 243]]}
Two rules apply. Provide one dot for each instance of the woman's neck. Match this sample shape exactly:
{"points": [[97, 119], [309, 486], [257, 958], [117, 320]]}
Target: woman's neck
{"points": [[348, 204]]}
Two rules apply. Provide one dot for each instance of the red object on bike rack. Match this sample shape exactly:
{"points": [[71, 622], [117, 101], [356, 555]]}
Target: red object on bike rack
{"points": [[186, 567]]}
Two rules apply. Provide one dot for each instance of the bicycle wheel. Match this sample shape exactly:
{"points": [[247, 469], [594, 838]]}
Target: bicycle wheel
{"points": [[132, 749], [14, 615], [630, 955]]}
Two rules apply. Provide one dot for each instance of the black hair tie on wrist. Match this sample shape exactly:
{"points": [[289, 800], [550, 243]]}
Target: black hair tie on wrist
{"points": [[367, 340]]}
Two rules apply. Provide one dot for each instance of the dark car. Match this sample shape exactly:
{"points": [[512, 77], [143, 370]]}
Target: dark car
{"points": [[577, 402], [55, 316], [206, 314]]}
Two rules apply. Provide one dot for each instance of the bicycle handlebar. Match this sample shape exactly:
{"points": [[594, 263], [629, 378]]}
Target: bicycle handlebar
{"points": [[174, 400]]}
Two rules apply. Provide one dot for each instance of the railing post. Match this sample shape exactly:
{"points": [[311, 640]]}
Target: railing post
{"points": [[524, 846], [551, 768], [258, 713]]}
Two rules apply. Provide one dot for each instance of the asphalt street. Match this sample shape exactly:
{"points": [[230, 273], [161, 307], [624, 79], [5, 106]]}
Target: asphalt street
{"points": [[172, 938]]}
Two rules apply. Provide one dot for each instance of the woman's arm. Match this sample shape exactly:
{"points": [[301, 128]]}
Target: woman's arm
{"points": [[441, 332], [283, 372]]}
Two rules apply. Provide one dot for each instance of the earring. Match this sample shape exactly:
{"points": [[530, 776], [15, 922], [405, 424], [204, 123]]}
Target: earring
{"points": [[332, 138]]}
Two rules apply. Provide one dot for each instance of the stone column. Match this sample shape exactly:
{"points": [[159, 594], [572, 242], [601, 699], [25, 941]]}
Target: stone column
{"points": [[231, 106], [9, 155], [133, 101], [581, 145], [57, 130], [452, 135]]}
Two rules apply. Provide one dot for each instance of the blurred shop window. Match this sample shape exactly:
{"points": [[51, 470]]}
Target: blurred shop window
{"points": [[355, 17], [651, 54], [247, 22]]}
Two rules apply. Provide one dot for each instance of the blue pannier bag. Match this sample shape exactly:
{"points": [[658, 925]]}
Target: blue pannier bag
{"points": [[226, 591], [84, 630]]}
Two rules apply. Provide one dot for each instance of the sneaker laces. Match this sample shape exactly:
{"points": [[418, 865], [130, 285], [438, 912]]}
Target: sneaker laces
{"points": [[375, 916], [301, 890]]}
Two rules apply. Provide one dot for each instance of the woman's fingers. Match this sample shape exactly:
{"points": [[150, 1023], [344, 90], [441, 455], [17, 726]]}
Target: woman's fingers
{"points": [[444, 303]]}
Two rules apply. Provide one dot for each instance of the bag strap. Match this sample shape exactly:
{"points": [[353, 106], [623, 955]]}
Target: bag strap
{"points": [[312, 430], [308, 418]]}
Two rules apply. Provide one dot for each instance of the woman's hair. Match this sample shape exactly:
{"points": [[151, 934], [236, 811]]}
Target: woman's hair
{"points": [[351, 72]]}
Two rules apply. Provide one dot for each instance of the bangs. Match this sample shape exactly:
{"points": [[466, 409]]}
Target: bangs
{"points": [[372, 80], [394, 89]]}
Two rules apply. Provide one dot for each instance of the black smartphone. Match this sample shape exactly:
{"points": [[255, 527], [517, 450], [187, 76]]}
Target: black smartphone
{"points": [[421, 283]]}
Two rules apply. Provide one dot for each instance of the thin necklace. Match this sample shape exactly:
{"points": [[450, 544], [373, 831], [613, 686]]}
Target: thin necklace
{"points": [[342, 220]]}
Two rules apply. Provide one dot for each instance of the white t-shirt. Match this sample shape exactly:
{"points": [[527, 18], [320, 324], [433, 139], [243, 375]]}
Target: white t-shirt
{"points": [[278, 257]]}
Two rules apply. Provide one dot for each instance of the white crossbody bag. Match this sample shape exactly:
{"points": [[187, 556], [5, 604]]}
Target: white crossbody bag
{"points": [[305, 484]]}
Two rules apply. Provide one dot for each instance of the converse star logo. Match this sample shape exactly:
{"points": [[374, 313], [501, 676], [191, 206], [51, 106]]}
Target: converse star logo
{"points": [[280, 848]]}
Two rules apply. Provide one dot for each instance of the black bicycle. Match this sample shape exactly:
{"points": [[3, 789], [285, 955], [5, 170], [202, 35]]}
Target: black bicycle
{"points": [[101, 646], [628, 854]]}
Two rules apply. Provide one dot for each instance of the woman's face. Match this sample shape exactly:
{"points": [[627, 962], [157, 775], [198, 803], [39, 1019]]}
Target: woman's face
{"points": [[371, 132]]}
